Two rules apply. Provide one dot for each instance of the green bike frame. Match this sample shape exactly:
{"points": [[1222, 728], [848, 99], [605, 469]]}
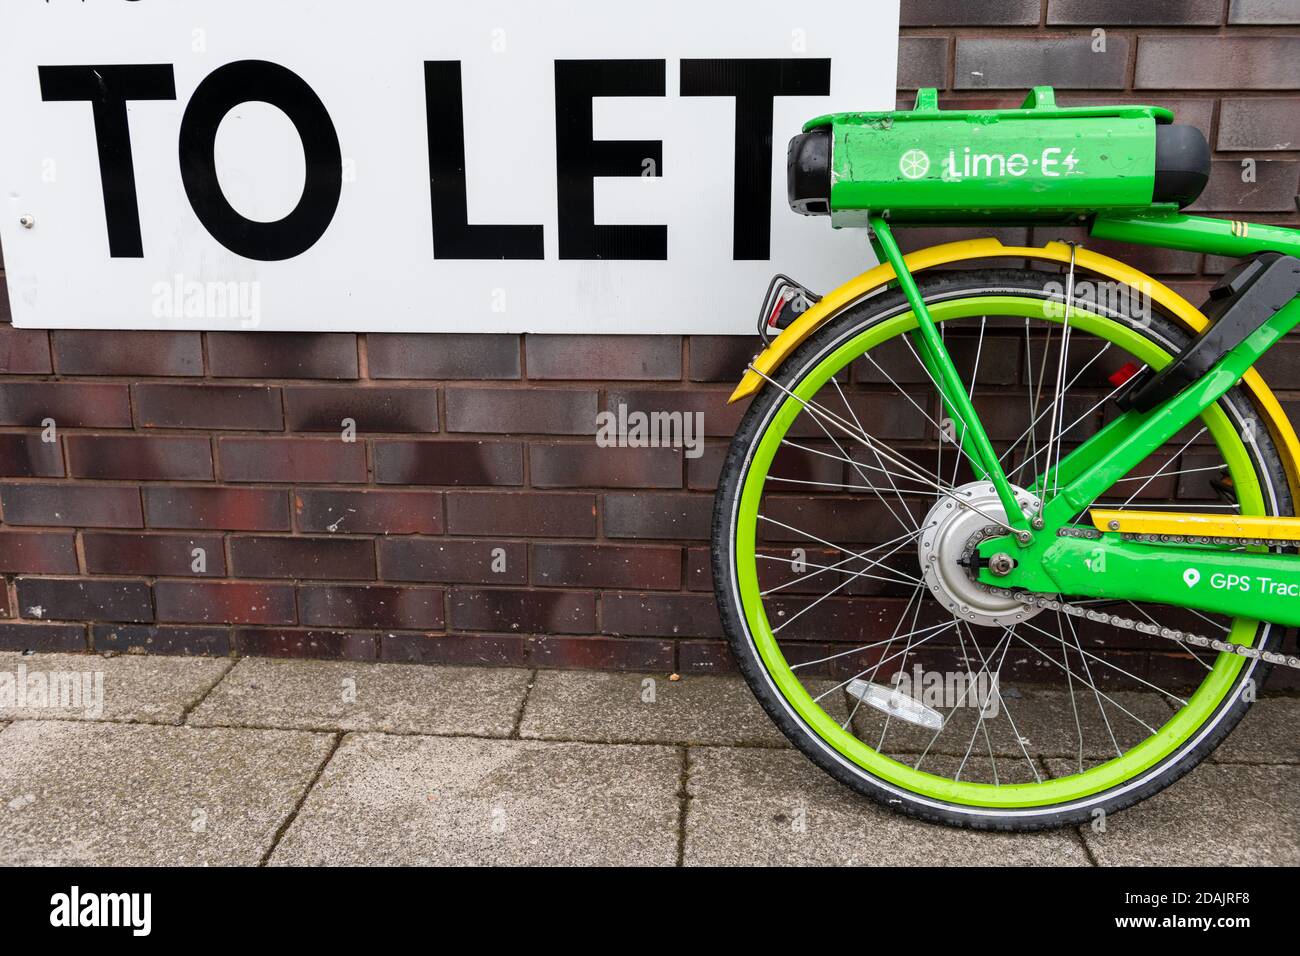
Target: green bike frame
{"points": [[1214, 579]]}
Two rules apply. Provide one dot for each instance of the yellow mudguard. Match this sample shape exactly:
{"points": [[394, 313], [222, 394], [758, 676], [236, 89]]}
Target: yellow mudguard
{"points": [[833, 303]]}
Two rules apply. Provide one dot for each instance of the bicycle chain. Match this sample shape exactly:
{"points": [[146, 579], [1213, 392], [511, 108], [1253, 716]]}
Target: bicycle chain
{"points": [[1186, 638]]}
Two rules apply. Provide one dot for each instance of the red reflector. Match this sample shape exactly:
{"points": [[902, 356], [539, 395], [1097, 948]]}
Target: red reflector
{"points": [[776, 313], [1126, 372]]}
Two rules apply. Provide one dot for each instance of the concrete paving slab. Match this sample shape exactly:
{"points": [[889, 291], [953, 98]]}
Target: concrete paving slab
{"points": [[642, 708], [446, 800], [1027, 719], [770, 807], [342, 695], [101, 794], [1217, 815], [125, 687], [1269, 733]]}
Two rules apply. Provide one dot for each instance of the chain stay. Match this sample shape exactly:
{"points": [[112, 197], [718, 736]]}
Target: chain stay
{"points": [[1181, 637]]}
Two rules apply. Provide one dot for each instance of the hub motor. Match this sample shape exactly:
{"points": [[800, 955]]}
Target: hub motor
{"points": [[949, 554]]}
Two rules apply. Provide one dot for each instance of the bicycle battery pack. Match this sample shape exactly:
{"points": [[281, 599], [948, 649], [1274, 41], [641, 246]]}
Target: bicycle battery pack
{"points": [[1243, 300], [1038, 163]]}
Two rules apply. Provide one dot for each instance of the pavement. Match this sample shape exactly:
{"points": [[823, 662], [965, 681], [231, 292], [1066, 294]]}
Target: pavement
{"points": [[200, 761]]}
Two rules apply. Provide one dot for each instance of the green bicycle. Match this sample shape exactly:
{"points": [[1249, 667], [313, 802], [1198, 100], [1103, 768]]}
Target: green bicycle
{"points": [[1013, 547]]}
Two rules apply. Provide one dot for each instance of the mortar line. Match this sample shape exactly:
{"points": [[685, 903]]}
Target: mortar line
{"points": [[293, 814]]}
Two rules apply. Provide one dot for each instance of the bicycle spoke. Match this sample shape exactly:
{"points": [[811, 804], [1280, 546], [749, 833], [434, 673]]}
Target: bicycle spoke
{"points": [[882, 614]]}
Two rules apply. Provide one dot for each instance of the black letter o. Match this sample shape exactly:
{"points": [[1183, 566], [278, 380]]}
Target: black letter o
{"points": [[247, 81]]}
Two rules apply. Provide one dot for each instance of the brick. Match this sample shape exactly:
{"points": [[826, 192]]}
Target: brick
{"points": [[573, 465], [138, 457], [374, 410], [720, 358], [496, 650], [372, 607], [1108, 13], [702, 473], [1264, 12], [181, 641], [604, 357], [308, 460], [228, 509], [603, 653], [699, 569], [1274, 188], [227, 602], [606, 566], [882, 414], [239, 407], [82, 506], [47, 638], [1195, 112], [507, 611], [1195, 292], [806, 466], [893, 364], [448, 463], [529, 514], [70, 404], [152, 554], [26, 456], [945, 13], [281, 642], [1151, 259], [342, 559], [867, 522], [1260, 125], [1066, 62], [547, 411], [658, 516], [705, 657], [966, 100], [710, 404], [6, 316], [38, 552], [1218, 62], [24, 351], [1279, 363], [282, 355], [922, 61], [659, 615], [119, 352], [368, 512], [456, 356], [62, 599], [453, 560]]}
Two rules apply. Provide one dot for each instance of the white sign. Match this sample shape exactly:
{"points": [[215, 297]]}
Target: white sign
{"points": [[404, 165]]}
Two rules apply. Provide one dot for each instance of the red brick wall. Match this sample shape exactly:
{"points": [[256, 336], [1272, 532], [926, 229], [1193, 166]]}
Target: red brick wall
{"points": [[471, 447]]}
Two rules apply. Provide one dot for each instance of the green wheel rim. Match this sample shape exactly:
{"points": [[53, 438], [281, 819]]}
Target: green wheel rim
{"points": [[1216, 686]]}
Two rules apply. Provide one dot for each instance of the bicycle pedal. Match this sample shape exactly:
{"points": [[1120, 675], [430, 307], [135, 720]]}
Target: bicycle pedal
{"points": [[892, 701]]}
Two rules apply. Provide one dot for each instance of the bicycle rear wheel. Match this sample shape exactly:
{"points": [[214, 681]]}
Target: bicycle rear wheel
{"points": [[838, 537]]}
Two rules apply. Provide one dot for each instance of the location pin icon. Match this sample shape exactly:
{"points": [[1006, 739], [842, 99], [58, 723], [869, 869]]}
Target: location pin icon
{"points": [[1191, 576]]}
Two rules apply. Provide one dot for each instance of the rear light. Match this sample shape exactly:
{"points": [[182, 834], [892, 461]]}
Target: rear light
{"points": [[808, 172]]}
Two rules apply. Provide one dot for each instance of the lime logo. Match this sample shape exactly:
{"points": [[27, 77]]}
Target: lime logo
{"points": [[914, 164], [1191, 576]]}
